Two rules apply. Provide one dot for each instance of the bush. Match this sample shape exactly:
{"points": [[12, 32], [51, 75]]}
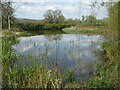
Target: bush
{"points": [[34, 26]]}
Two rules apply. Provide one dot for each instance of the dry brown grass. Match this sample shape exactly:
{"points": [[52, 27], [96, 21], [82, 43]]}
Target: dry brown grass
{"points": [[89, 28], [6, 33]]}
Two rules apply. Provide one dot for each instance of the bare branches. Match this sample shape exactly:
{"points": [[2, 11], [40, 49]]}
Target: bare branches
{"points": [[8, 9]]}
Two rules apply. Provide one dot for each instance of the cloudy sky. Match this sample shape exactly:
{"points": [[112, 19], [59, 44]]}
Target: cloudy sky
{"points": [[35, 9]]}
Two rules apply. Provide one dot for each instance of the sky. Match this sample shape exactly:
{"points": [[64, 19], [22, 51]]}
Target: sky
{"points": [[35, 9]]}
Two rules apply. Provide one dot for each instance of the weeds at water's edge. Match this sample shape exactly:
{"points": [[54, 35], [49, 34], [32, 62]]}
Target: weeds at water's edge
{"points": [[106, 75], [25, 77]]}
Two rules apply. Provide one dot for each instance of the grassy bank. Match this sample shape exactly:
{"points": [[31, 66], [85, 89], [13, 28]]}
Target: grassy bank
{"points": [[15, 33], [79, 31], [28, 33], [6, 33]]}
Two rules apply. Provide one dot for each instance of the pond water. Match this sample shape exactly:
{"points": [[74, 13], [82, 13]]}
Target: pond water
{"points": [[68, 52]]}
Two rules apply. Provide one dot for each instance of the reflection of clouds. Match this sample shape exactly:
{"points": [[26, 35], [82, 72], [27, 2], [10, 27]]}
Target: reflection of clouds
{"points": [[86, 52], [84, 40], [22, 47], [74, 55], [27, 43], [82, 55], [81, 41]]}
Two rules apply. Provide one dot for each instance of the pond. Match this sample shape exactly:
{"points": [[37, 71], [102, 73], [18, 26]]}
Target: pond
{"points": [[68, 52]]}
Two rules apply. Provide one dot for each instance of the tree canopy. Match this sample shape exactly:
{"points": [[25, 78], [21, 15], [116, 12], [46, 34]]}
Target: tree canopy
{"points": [[54, 16]]}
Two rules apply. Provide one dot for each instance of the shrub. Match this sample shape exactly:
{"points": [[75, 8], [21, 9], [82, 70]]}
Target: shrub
{"points": [[34, 26]]}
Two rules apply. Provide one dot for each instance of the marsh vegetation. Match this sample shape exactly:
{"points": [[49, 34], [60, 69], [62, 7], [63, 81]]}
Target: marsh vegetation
{"points": [[58, 60], [60, 53]]}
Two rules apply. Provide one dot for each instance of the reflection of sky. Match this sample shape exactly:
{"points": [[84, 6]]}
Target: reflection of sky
{"points": [[27, 43], [71, 51]]}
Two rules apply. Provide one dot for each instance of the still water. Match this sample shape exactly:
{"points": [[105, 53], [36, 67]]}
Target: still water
{"points": [[68, 52]]}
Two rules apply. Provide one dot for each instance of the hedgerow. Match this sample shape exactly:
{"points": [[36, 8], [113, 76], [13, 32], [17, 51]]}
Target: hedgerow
{"points": [[35, 26]]}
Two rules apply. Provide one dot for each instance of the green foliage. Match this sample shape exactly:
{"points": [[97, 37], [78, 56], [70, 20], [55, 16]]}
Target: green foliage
{"points": [[35, 26], [71, 21], [104, 21], [104, 77], [93, 24], [16, 76], [107, 75], [73, 85], [91, 19], [7, 58], [70, 77], [107, 71]]}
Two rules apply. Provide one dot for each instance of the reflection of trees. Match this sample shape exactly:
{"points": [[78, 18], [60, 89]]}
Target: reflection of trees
{"points": [[56, 37]]}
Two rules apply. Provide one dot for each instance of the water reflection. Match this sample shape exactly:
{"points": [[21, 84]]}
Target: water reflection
{"points": [[56, 37], [69, 52]]}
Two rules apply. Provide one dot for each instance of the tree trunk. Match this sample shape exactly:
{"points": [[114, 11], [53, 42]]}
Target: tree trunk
{"points": [[9, 23]]}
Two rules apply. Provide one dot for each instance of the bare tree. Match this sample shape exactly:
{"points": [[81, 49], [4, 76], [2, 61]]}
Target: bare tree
{"points": [[7, 10], [49, 16], [53, 16]]}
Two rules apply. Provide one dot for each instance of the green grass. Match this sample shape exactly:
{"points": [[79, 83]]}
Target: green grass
{"points": [[13, 33], [24, 34], [78, 31], [30, 33]]}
